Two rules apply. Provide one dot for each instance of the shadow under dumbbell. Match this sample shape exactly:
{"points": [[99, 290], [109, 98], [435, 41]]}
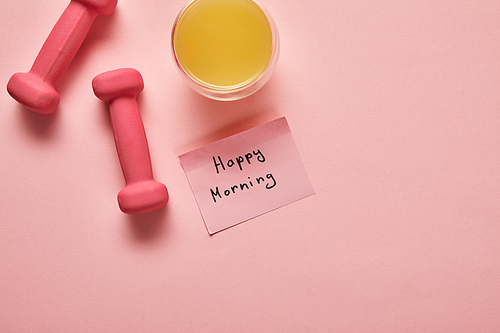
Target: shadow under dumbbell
{"points": [[148, 227], [41, 126]]}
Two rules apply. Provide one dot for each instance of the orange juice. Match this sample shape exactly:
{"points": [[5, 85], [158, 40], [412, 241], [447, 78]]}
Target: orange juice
{"points": [[223, 43]]}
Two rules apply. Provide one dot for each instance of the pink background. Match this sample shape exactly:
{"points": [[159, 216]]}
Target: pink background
{"points": [[394, 105]]}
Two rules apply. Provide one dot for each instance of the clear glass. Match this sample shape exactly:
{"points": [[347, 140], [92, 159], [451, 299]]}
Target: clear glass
{"points": [[228, 92]]}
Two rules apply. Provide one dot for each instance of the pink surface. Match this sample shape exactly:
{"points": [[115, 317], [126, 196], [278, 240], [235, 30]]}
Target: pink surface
{"points": [[394, 106], [246, 175]]}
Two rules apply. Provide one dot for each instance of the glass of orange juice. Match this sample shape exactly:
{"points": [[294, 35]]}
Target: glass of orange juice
{"points": [[226, 49]]}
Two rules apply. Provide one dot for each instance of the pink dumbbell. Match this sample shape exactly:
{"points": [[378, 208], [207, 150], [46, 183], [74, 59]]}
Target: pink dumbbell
{"points": [[118, 88], [36, 89]]}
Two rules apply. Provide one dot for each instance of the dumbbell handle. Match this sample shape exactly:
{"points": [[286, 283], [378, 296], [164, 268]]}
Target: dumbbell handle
{"points": [[63, 42], [130, 139]]}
